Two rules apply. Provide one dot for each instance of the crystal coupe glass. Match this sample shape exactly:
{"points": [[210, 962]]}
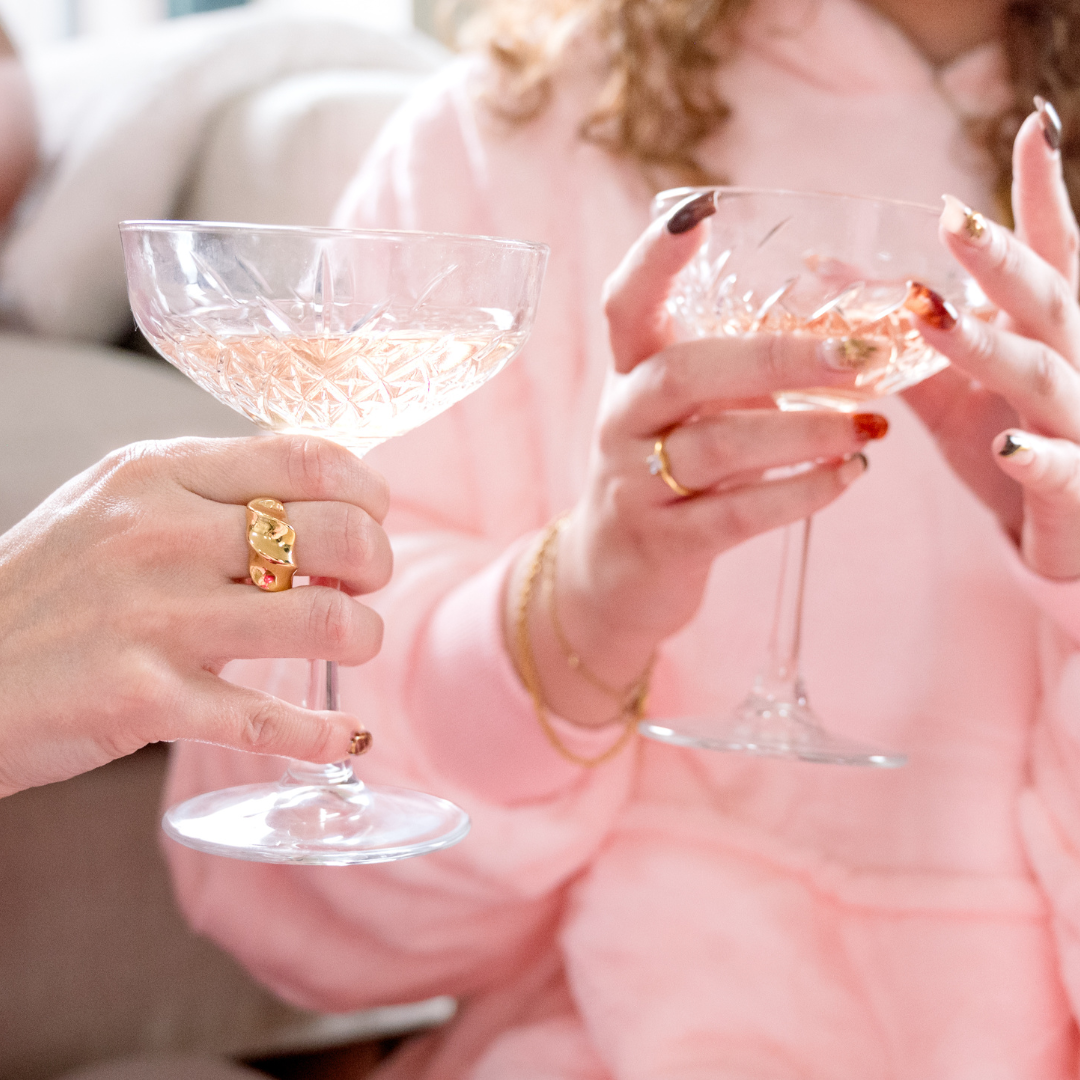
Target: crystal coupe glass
{"points": [[357, 337], [834, 267]]}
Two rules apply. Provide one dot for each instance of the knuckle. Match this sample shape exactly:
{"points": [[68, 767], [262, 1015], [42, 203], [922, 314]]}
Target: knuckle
{"points": [[264, 726], [1046, 373], [132, 463], [1059, 303], [1071, 239], [774, 359], [718, 448], [323, 741], [668, 383], [623, 499], [376, 492], [315, 466], [739, 518], [331, 622], [351, 537], [980, 344]]}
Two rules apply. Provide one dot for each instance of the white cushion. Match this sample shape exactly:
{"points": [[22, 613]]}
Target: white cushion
{"points": [[283, 154]]}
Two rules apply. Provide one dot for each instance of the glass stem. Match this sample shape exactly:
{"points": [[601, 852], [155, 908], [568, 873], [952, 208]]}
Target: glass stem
{"points": [[322, 694], [781, 680]]}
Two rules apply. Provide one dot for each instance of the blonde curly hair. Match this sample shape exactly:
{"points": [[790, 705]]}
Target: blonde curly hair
{"points": [[659, 101]]}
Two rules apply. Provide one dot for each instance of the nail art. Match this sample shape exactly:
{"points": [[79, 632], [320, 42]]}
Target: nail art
{"points": [[847, 474], [870, 425], [1051, 122], [854, 353], [930, 306], [1013, 445], [691, 211], [962, 221], [360, 742]]}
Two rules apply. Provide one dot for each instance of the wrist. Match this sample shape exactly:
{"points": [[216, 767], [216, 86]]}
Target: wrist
{"points": [[590, 688]]}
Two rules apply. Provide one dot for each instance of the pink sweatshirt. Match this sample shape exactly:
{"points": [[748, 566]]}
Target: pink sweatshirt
{"points": [[682, 914]]}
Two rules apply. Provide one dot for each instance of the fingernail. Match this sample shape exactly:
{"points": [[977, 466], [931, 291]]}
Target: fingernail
{"points": [[870, 425], [691, 211], [1015, 444], [854, 353], [930, 306], [852, 468], [1051, 123], [360, 742], [967, 224]]}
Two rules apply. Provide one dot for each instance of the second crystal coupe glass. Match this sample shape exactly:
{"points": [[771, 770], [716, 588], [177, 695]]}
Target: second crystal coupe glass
{"points": [[833, 267], [357, 337]]}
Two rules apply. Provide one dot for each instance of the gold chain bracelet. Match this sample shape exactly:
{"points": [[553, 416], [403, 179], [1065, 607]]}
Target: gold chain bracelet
{"points": [[633, 708], [628, 697]]}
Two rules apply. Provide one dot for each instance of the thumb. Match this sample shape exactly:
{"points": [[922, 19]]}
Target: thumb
{"points": [[635, 294], [219, 712]]}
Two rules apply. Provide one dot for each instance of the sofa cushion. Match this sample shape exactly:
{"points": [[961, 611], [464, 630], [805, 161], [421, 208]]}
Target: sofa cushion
{"points": [[283, 154]]}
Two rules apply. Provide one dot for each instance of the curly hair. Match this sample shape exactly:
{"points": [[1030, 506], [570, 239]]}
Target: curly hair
{"points": [[659, 101]]}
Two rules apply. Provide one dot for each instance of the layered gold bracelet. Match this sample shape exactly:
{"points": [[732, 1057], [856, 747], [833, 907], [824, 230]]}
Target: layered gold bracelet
{"points": [[632, 699]]}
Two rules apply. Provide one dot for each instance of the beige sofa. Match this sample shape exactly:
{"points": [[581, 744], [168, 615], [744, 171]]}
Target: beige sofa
{"points": [[96, 965]]}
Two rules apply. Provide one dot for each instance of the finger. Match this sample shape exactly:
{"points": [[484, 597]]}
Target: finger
{"points": [[635, 294], [749, 511], [290, 468], [1041, 204], [678, 383], [1049, 472], [712, 452], [1035, 380], [216, 711], [1038, 299], [333, 540], [240, 622]]}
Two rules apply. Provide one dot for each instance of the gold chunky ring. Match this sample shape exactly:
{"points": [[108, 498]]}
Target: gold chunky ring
{"points": [[272, 541], [660, 466]]}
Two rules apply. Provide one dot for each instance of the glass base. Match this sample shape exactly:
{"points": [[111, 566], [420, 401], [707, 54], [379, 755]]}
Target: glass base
{"points": [[337, 824], [770, 727]]}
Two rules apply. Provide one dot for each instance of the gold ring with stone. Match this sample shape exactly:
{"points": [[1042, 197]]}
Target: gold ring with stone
{"points": [[659, 465], [272, 543]]}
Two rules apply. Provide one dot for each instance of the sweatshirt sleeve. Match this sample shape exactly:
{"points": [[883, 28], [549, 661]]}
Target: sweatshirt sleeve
{"points": [[446, 709], [1050, 806]]}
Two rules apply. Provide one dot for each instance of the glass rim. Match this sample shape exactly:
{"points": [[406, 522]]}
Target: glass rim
{"points": [[685, 191], [164, 225]]}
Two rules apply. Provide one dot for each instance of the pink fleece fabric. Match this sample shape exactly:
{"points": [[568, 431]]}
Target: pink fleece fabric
{"points": [[678, 914]]}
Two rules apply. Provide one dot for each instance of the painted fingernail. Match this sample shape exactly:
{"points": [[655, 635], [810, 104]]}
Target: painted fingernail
{"points": [[854, 353], [360, 742], [930, 306], [960, 220], [852, 468], [691, 211], [870, 425], [1051, 122], [1015, 444]]}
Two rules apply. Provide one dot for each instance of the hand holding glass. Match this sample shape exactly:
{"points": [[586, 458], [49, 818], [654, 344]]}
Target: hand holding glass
{"points": [[835, 267], [356, 337]]}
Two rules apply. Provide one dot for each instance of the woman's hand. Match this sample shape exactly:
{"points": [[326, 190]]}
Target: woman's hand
{"points": [[1022, 373], [634, 556], [126, 592]]}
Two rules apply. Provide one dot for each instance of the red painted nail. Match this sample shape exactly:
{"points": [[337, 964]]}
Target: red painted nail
{"points": [[930, 306], [870, 425], [360, 742]]}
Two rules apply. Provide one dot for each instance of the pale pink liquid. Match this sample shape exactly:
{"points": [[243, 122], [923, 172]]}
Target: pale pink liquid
{"points": [[897, 357], [357, 389]]}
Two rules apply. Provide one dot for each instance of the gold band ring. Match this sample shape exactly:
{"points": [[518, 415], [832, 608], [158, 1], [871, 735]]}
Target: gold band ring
{"points": [[659, 465], [271, 541]]}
